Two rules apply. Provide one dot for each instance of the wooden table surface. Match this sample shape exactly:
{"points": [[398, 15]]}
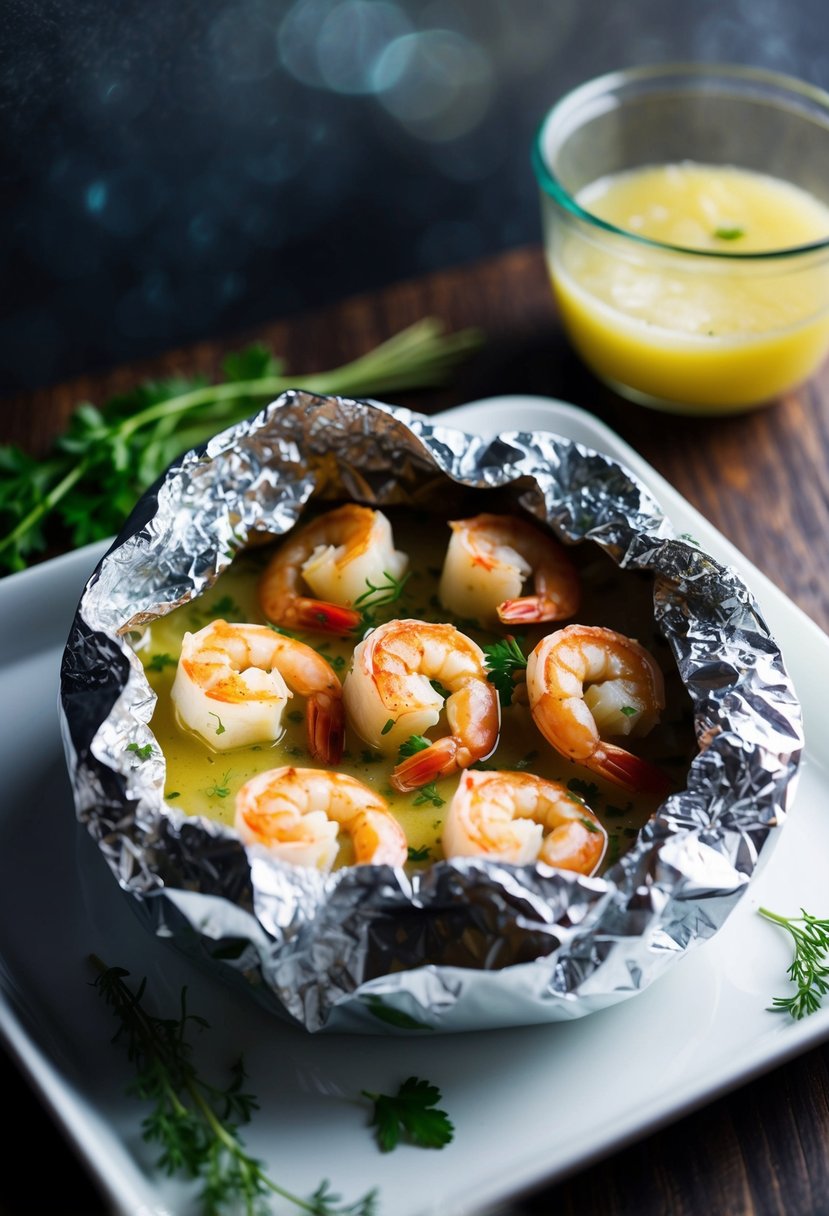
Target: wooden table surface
{"points": [[763, 480]]}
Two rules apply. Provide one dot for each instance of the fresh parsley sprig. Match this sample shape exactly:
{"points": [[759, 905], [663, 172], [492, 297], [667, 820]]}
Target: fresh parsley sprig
{"points": [[196, 1124], [810, 966], [411, 746], [87, 484], [411, 1112], [505, 661]]}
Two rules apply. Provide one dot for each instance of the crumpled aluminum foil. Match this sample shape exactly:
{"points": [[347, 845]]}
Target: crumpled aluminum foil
{"points": [[465, 944]]}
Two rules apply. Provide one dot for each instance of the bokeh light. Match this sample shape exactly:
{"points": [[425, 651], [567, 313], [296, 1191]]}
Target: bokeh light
{"points": [[437, 83]]}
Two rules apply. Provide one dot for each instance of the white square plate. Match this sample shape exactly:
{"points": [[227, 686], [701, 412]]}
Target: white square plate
{"points": [[59, 903]]}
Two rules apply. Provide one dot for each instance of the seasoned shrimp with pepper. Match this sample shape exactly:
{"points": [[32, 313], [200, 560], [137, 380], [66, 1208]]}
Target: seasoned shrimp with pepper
{"points": [[521, 818], [234, 681], [586, 683], [489, 559], [298, 813], [390, 694], [338, 557]]}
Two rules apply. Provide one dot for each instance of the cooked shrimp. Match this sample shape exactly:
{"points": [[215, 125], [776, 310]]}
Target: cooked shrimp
{"points": [[487, 562], [522, 818], [389, 697], [338, 556], [233, 682], [297, 814], [584, 683]]}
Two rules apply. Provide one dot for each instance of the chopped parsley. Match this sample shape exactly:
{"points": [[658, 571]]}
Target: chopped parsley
{"points": [[729, 232], [159, 661], [411, 746], [429, 794], [588, 790], [424, 853], [141, 753]]}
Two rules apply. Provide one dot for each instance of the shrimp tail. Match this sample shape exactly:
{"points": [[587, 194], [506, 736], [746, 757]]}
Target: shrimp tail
{"points": [[440, 759], [632, 772], [325, 726], [529, 608], [306, 613]]}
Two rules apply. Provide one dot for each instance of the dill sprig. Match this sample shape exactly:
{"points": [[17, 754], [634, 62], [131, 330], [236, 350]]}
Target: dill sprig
{"points": [[88, 482], [810, 966], [379, 595], [195, 1123], [505, 664]]}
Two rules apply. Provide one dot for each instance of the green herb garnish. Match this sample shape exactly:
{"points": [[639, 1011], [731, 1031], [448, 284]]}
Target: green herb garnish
{"points": [[729, 233], [391, 1016], [411, 746], [629, 711], [411, 1112], [424, 853], [159, 661], [220, 791], [141, 753], [90, 480], [220, 729], [225, 606], [587, 789], [429, 793], [387, 726], [810, 967], [378, 596], [196, 1124], [504, 661]]}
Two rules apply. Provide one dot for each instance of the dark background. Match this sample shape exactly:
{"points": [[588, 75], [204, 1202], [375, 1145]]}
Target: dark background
{"points": [[176, 169]]}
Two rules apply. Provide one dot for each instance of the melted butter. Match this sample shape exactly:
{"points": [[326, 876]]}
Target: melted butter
{"points": [[204, 781]]}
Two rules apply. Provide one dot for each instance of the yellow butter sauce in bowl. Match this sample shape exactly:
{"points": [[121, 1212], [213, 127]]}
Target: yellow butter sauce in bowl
{"points": [[690, 284]]}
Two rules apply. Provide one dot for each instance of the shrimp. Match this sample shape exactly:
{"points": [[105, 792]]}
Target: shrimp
{"points": [[338, 555], [297, 814], [521, 818], [585, 682], [234, 681], [389, 697], [487, 562]]}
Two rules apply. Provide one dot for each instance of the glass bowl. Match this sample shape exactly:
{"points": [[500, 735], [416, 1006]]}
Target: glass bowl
{"points": [[721, 326]]}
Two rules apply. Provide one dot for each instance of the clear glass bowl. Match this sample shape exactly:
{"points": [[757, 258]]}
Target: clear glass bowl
{"points": [[686, 329]]}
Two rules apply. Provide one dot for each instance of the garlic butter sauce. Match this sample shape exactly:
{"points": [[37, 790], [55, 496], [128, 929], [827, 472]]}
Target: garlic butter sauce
{"points": [[201, 781]]}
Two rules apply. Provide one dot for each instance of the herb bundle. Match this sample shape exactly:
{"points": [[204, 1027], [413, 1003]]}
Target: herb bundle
{"points": [[196, 1124], [84, 488]]}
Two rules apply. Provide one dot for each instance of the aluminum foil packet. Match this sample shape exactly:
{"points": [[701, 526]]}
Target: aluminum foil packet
{"points": [[464, 944]]}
